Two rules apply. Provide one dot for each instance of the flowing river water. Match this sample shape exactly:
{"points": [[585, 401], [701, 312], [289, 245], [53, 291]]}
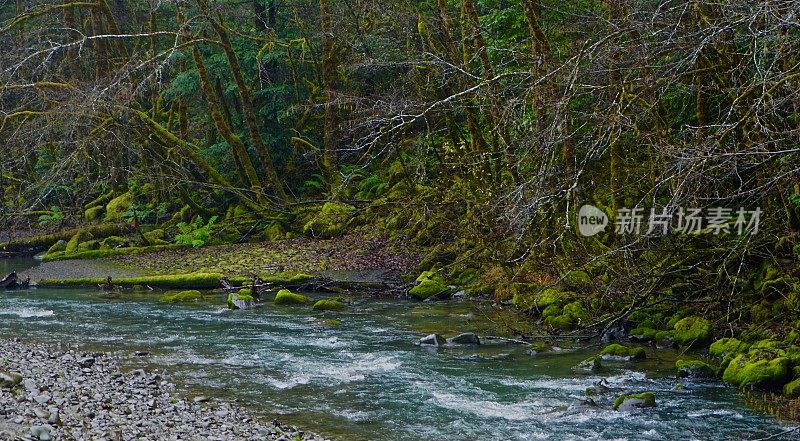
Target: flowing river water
{"points": [[367, 379]]}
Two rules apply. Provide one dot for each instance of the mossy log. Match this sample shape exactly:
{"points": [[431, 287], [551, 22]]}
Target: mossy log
{"points": [[108, 252], [172, 281], [43, 242]]}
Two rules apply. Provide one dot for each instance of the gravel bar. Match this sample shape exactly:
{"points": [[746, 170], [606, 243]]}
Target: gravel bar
{"points": [[54, 393]]}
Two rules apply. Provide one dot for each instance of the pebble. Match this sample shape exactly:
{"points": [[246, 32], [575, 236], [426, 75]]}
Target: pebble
{"points": [[65, 393]]}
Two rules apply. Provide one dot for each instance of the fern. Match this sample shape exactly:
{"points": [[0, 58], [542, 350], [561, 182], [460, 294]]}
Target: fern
{"points": [[371, 187], [195, 234], [55, 216]]}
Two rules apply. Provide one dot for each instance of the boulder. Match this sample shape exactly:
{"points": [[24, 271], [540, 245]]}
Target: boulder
{"points": [[765, 369], [59, 246], [329, 305], [432, 340], [286, 297], [591, 364], [694, 369], [466, 338], [692, 331], [618, 352], [429, 284], [240, 301], [627, 403]]}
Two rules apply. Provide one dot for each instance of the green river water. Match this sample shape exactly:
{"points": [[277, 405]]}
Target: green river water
{"points": [[367, 379]]}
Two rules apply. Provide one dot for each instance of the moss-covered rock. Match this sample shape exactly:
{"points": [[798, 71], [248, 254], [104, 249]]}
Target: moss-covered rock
{"points": [[618, 352], [429, 284], [89, 245], [329, 305], [766, 369], [286, 297], [243, 299], [94, 214], [288, 278], [728, 346], [155, 237], [182, 296], [792, 389], [112, 242], [591, 364], [330, 221], [118, 206], [642, 334], [76, 239], [58, 247], [692, 331], [695, 369], [579, 280], [634, 401]]}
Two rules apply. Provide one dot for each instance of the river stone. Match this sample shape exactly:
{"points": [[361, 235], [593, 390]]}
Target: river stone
{"points": [[627, 403], [591, 364], [466, 338], [42, 433], [10, 379], [432, 340]]}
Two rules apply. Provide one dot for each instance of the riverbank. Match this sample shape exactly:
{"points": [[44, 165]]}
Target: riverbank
{"points": [[55, 392]]}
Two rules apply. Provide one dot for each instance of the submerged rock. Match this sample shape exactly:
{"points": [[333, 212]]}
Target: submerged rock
{"points": [[432, 340], [329, 305], [591, 364], [618, 352], [466, 338], [627, 403]]}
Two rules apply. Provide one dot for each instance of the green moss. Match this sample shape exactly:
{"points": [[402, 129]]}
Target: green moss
{"points": [[155, 237], [182, 297], [576, 311], [644, 334], [246, 292], [727, 346], [286, 297], [57, 247], [577, 279], [112, 242], [694, 369], [692, 331], [179, 281], [792, 389], [274, 232], [429, 284], [46, 240], [618, 350], [101, 253], [549, 297], [76, 239], [89, 245], [551, 311], [329, 305], [117, 206], [332, 322], [648, 398], [94, 213], [330, 221], [759, 368], [562, 322]]}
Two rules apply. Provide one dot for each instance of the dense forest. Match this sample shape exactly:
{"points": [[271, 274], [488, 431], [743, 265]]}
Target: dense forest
{"points": [[473, 130]]}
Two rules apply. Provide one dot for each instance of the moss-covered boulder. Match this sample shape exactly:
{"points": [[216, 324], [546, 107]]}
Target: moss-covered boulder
{"points": [[89, 245], [429, 284], [118, 206], [94, 214], [58, 247], [578, 280], [191, 295], [287, 278], [642, 334], [692, 331], [286, 297], [627, 403], [331, 221], [765, 369], [591, 364], [792, 389], [76, 239], [112, 242], [329, 305], [728, 346], [618, 352], [694, 369], [243, 299], [155, 237]]}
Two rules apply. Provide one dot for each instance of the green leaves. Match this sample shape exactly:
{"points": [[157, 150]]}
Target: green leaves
{"points": [[195, 234], [55, 216]]}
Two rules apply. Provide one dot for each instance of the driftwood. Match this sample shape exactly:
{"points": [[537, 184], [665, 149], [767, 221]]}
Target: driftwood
{"points": [[12, 281]]}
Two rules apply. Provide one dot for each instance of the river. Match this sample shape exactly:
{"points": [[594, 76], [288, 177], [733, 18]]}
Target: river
{"points": [[367, 379]]}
